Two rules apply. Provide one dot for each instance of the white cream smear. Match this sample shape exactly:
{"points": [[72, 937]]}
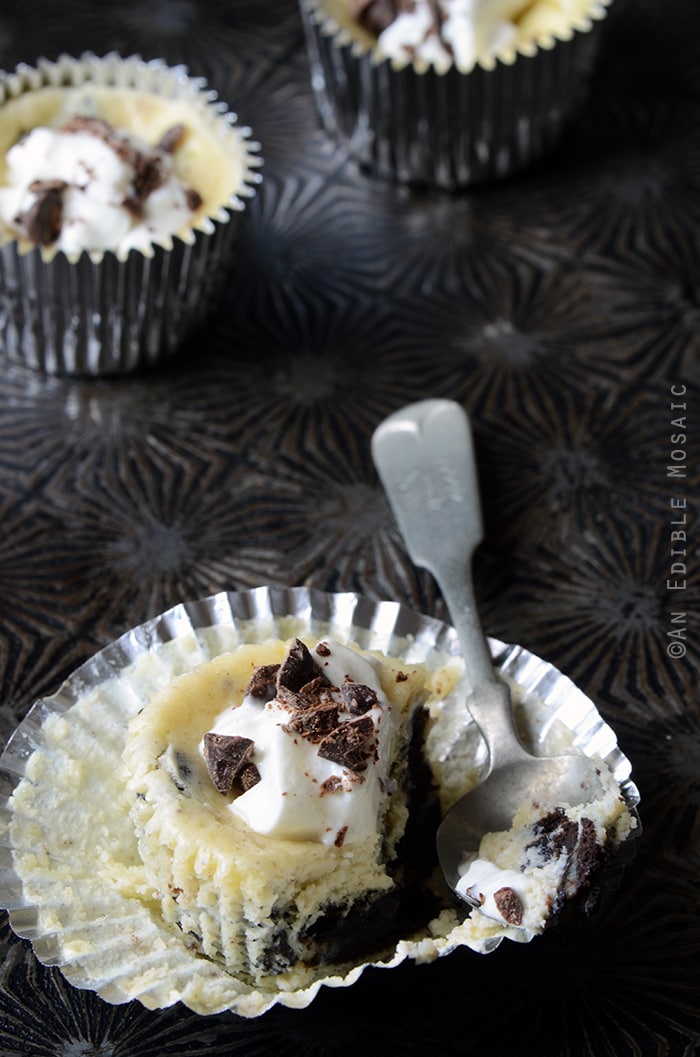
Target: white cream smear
{"points": [[94, 184], [301, 794]]}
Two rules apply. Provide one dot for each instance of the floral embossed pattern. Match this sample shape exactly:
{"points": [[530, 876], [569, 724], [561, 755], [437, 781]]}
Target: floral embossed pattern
{"points": [[562, 308]]}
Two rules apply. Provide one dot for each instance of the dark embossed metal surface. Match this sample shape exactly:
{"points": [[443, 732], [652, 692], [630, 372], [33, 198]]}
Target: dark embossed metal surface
{"points": [[562, 308]]}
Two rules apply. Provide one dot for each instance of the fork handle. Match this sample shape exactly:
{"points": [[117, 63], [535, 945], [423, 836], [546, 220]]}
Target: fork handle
{"points": [[424, 455]]}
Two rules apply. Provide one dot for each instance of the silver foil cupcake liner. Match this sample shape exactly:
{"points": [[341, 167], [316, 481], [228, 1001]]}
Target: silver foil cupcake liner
{"points": [[445, 130], [99, 314], [105, 938]]}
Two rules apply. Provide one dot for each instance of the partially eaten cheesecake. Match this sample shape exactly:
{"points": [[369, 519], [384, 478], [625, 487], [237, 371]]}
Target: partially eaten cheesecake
{"points": [[271, 790], [548, 862], [236, 804]]}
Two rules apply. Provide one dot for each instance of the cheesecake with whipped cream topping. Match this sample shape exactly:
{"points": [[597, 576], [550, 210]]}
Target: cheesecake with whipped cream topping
{"points": [[97, 169], [270, 797], [88, 186]]}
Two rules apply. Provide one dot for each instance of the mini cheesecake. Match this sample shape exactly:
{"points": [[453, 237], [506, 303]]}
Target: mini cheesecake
{"points": [[270, 798]]}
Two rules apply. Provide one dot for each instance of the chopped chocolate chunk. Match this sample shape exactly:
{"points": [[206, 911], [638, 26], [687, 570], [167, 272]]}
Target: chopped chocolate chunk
{"points": [[288, 698], [350, 744], [375, 15], [314, 723], [340, 836], [297, 668], [44, 219], [358, 698], [226, 757], [194, 199], [509, 905], [316, 692], [171, 138], [247, 777], [263, 680], [133, 206], [323, 649], [149, 174], [401, 677]]}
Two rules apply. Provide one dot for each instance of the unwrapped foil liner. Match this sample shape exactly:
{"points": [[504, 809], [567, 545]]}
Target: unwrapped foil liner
{"points": [[99, 314], [109, 941], [453, 129]]}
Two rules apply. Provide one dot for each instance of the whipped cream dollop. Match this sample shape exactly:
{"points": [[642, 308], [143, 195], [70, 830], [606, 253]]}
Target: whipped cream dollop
{"points": [[87, 186], [305, 755], [442, 32]]}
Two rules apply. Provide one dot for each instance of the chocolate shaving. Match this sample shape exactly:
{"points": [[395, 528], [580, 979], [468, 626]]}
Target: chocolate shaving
{"points": [[323, 649], [263, 681], [358, 698], [509, 905], [227, 758], [340, 837], [350, 744]]}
